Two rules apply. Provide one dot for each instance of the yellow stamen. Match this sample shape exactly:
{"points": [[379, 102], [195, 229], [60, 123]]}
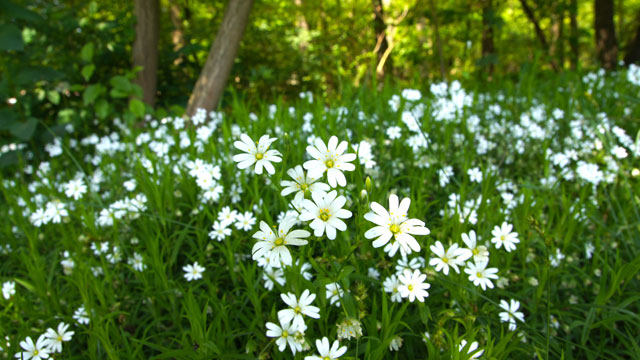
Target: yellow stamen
{"points": [[259, 156], [279, 241], [329, 163], [394, 228], [410, 287]]}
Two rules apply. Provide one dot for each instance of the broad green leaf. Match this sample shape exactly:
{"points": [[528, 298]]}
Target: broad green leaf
{"points": [[92, 92], [24, 130], [87, 71], [102, 108], [10, 38], [7, 119], [86, 54], [137, 107], [121, 84], [53, 96]]}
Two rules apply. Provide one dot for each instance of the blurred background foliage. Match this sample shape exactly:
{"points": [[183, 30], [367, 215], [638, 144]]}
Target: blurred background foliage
{"points": [[70, 61]]}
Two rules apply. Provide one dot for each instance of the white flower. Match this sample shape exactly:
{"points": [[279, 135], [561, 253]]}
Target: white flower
{"points": [[394, 225], [301, 184], [220, 231], [502, 235], [38, 217], [480, 275], [478, 252], [33, 351], [334, 293], [8, 289], [54, 338], [327, 351], [271, 275], [274, 245], [349, 328], [394, 132], [330, 158], [326, 212], [259, 155], [75, 189], [391, 285], [297, 308], [81, 316], [511, 313], [137, 262], [446, 259], [285, 335], [413, 285], [193, 272], [395, 344], [475, 175], [245, 221], [472, 348], [227, 216]]}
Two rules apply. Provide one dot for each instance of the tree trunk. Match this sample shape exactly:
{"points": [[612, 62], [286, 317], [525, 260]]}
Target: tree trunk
{"points": [[177, 34], [556, 48], [606, 44], [574, 35], [382, 44], [539, 33], [633, 48], [145, 47], [213, 78], [302, 24], [434, 19], [488, 45]]}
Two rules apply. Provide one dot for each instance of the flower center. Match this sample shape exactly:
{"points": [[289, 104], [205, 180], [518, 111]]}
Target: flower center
{"points": [[59, 338], [259, 156], [326, 358], [285, 334], [297, 309], [329, 163], [279, 241], [304, 187], [410, 287], [394, 228], [324, 214], [445, 260], [502, 237], [479, 274], [475, 251], [36, 352]]}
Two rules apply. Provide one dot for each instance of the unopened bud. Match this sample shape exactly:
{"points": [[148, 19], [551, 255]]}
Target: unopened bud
{"points": [[363, 195], [367, 184]]}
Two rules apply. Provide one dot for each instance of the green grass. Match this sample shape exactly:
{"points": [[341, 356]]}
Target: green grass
{"points": [[157, 314]]}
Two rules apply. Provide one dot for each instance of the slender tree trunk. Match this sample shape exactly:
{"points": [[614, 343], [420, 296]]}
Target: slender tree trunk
{"points": [[606, 44], [556, 48], [213, 78], [633, 48], [488, 45], [145, 47], [539, 33], [302, 24], [436, 32], [382, 44], [177, 34], [574, 36]]}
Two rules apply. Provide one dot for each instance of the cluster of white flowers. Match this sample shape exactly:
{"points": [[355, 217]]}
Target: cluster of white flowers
{"points": [[46, 345]]}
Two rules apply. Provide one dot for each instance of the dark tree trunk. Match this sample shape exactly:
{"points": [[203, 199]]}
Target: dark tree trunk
{"points": [[606, 44], [213, 78], [488, 45], [633, 48], [556, 48], [382, 44], [177, 35], [539, 33], [145, 47], [574, 36]]}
